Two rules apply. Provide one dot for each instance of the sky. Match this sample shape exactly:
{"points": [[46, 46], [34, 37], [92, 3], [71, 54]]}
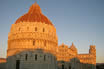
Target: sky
{"points": [[77, 21]]}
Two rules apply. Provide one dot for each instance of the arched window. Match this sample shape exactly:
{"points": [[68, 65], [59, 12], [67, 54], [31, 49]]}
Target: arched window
{"points": [[33, 42], [43, 30], [35, 56], [35, 28]]}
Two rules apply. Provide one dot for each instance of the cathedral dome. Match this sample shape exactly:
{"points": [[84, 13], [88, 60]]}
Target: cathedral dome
{"points": [[34, 15]]}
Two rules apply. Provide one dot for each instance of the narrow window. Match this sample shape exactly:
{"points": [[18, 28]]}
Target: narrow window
{"points": [[34, 43], [43, 30], [48, 56], [19, 29], [35, 28], [44, 57], [27, 28], [17, 64], [26, 57], [44, 43], [36, 57]]}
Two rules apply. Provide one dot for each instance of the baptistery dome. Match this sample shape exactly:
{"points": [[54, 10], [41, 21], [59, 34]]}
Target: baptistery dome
{"points": [[34, 15]]}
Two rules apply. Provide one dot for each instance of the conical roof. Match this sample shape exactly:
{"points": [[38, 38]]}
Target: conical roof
{"points": [[34, 15]]}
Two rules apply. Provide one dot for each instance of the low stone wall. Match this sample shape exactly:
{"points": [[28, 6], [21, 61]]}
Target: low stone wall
{"points": [[2, 65]]}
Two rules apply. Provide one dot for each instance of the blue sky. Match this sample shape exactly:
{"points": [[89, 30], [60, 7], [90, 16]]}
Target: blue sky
{"points": [[78, 21]]}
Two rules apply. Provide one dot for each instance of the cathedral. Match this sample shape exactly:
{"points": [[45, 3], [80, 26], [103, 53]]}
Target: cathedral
{"points": [[33, 44]]}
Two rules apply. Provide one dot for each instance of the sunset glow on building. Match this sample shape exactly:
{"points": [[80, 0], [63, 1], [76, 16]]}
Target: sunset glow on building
{"points": [[33, 32]]}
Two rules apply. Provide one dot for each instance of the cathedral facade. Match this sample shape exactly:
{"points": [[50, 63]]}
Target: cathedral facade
{"points": [[33, 44]]}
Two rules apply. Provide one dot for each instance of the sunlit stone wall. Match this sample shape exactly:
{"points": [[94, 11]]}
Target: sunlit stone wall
{"points": [[32, 35]]}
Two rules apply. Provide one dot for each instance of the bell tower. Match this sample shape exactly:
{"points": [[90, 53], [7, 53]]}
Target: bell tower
{"points": [[92, 52]]}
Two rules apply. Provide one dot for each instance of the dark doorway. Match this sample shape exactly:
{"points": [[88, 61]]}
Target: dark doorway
{"points": [[17, 64], [69, 67], [62, 66]]}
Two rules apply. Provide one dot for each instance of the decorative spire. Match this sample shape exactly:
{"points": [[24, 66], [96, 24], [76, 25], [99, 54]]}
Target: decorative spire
{"points": [[73, 46], [62, 43], [36, 1]]}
